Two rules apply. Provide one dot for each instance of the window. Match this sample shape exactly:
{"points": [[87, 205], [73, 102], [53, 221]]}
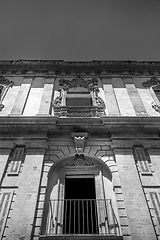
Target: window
{"points": [[78, 97], [80, 200]]}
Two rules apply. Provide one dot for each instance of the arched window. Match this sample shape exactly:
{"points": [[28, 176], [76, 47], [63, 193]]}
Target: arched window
{"points": [[80, 199]]}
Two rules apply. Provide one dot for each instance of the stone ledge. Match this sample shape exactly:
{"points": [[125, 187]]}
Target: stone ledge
{"points": [[107, 123], [81, 237]]}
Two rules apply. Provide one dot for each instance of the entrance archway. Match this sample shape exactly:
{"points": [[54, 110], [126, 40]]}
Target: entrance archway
{"points": [[80, 198]]}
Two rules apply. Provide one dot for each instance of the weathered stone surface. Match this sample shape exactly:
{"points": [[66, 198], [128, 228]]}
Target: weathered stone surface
{"points": [[21, 97], [111, 102], [136, 206], [22, 215], [4, 154]]}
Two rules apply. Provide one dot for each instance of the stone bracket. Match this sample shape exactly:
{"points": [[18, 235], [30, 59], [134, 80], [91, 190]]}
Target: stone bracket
{"points": [[79, 140]]}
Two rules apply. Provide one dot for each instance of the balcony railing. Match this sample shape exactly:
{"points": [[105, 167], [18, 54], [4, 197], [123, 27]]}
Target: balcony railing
{"points": [[81, 217]]}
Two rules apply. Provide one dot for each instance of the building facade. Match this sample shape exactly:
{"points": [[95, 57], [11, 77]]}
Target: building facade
{"points": [[79, 150]]}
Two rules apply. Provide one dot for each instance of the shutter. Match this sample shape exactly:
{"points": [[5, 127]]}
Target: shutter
{"points": [[16, 161], [142, 160], [155, 199], [5, 202]]}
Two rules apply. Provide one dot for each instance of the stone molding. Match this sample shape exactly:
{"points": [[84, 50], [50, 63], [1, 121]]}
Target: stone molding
{"points": [[98, 67], [152, 82], [105, 124]]}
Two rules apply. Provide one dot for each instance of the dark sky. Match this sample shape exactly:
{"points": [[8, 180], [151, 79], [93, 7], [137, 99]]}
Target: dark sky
{"points": [[80, 29]]}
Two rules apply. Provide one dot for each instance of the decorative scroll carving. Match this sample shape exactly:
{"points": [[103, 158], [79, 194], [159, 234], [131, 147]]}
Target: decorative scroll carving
{"points": [[93, 111], [154, 81], [88, 83], [5, 82], [58, 101], [156, 106], [80, 114], [1, 106], [79, 160], [99, 100]]}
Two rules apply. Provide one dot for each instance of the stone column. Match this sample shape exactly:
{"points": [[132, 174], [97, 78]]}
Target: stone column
{"points": [[123, 99], [134, 97], [34, 98], [46, 100], [21, 97], [110, 99]]}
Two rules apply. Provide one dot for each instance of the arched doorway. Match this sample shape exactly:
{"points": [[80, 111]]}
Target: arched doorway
{"points": [[80, 198]]}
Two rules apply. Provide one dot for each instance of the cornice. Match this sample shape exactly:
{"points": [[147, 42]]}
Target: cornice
{"points": [[98, 67], [104, 124]]}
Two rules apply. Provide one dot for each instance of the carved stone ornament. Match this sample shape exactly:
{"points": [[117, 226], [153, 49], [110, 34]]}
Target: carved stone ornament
{"points": [[58, 100], [156, 106], [89, 83], [96, 110], [1, 106], [79, 143], [154, 81], [99, 101], [5, 82], [79, 140], [79, 160]]}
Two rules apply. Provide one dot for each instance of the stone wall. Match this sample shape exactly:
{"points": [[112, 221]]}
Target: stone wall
{"points": [[137, 191]]}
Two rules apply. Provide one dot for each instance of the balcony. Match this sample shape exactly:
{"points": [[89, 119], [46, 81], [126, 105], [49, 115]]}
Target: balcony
{"points": [[81, 219]]}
